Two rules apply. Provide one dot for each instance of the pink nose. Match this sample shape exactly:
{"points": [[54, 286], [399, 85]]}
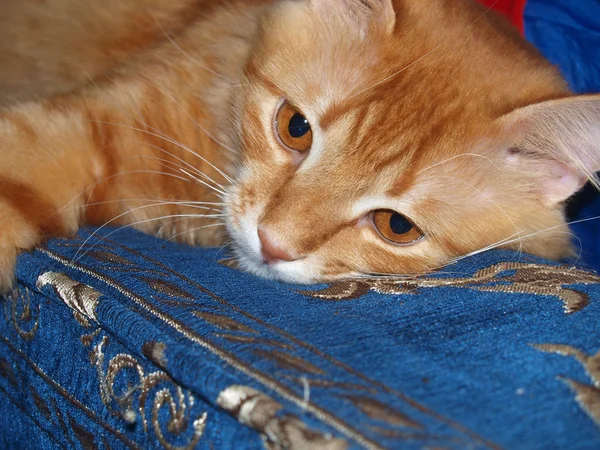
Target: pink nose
{"points": [[272, 253]]}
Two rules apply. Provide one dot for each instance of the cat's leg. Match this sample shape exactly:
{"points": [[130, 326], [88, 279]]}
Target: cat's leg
{"points": [[115, 156], [47, 163]]}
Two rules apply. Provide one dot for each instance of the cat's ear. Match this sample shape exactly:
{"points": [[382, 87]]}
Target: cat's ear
{"points": [[366, 13], [556, 144]]}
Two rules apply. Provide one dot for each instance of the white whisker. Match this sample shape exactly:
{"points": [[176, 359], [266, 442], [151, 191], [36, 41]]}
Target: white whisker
{"points": [[172, 141], [510, 240], [488, 198], [419, 59], [140, 222], [398, 72], [221, 191], [208, 133], [195, 229], [129, 225], [157, 202], [195, 169], [459, 156], [183, 52]]}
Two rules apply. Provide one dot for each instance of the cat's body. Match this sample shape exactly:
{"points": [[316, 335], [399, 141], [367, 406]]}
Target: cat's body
{"points": [[417, 106]]}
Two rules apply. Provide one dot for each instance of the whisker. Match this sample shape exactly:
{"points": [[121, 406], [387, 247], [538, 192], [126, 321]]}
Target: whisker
{"points": [[580, 254], [171, 222], [218, 188], [459, 156], [198, 205], [487, 197], [208, 133], [140, 222], [195, 229], [156, 172], [419, 59], [226, 244], [195, 169], [172, 141], [64, 207], [169, 139], [137, 209], [398, 72], [178, 47], [203, 182], [509, 239], [407, 277]]}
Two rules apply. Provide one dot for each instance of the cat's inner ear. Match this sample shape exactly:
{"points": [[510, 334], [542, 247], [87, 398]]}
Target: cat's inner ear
{"points": [[556, 145], [367, 14]]}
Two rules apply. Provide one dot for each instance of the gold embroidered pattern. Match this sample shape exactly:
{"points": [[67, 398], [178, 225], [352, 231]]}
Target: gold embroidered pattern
{"points": [[382, 412], [245, 328], [588, 396], [171, 396], [507, 277], [77, 296], [259, 412], [20, 313]]}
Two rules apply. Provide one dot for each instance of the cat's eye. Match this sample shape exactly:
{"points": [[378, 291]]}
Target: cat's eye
{"points": [[395, 227], [292, 128]]}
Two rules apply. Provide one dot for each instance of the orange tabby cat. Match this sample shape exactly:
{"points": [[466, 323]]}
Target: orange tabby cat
{"points": [[332, 138]]}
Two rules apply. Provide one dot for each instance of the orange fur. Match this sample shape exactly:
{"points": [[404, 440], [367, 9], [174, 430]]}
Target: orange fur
{"points": [[414, 105]]}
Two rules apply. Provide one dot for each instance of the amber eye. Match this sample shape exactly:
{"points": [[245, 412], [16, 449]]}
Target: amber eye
{"points": [[395, 227], [292, 128]]}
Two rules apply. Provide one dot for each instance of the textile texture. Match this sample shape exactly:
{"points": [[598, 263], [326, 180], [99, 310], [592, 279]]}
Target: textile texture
{"points": [[116, 339]]}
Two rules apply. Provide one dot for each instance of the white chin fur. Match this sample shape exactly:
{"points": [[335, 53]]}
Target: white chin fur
{"points": [[298, 272]]}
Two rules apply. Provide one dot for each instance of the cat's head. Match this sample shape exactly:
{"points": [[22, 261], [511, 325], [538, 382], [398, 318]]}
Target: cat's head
{"points": [[393, 137]]}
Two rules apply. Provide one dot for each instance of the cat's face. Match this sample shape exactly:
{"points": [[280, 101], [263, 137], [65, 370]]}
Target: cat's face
{"points": [[372, 144]]}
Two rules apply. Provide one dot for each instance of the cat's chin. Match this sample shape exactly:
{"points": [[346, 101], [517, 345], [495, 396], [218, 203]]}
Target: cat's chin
{"points": [[295, 272]]}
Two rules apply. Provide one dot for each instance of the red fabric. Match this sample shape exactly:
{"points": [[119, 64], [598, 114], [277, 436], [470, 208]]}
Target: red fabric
{"points": [[513, 9]]}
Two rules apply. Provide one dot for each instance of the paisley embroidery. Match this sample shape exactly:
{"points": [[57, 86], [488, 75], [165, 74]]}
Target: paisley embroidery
{"points": [[79, 297], [588, 396], [507, 277], [260, 412]]}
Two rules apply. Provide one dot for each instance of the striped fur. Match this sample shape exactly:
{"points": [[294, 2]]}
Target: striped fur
{"points": [[420, 106]]}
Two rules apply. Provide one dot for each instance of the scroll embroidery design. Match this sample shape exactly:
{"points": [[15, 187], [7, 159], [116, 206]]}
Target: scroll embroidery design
{"points": [[24, 322], [507, 277], [260, 412], [290, 364], [588, 396], [132, 403], [157, 386]]}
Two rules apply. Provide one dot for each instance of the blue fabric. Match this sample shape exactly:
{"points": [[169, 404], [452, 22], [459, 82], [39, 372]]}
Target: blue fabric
{"points": [[445, 361], [128, 342], [55, 370], [568, 34]]}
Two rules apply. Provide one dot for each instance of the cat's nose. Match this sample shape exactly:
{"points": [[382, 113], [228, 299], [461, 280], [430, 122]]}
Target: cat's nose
{"points": [[271, 252]]}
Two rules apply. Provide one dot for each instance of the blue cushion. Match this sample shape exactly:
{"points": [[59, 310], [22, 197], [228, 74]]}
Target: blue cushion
{"points": [[124, 341], [98, 340]]}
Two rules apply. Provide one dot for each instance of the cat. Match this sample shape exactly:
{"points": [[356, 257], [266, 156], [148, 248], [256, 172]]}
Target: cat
{"points": [[319, 139]]}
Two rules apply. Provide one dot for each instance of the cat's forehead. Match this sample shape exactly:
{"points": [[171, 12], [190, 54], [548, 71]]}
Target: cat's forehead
{"points": [[444, 52], [430, 91]]}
